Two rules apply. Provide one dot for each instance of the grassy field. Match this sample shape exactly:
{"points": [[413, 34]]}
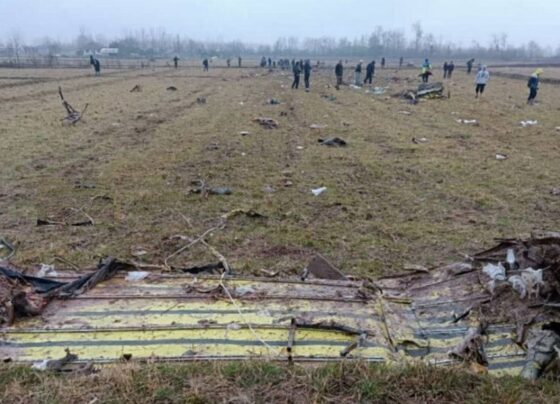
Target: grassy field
{"points": [[388, 202], [130, 163], [268, 383]]}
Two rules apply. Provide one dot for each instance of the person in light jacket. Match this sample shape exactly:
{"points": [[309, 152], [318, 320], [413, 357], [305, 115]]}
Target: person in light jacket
{"points": [[481, 80]]}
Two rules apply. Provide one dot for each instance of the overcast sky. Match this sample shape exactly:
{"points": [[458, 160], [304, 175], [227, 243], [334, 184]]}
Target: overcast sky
{"points": [[262, 21]]}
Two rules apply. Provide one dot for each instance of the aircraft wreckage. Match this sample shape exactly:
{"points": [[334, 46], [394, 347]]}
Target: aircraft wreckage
{"points": [[497, 311]]}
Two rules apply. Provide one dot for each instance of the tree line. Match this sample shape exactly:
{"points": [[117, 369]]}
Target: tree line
{"points": [[154, 43]]}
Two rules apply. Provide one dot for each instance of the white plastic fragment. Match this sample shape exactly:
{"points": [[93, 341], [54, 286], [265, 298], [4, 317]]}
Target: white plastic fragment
{"points": [[233, 326], [528, 123], [473, 122], [518, 285], [510, 257], [42, 365], [495, 272], [136, 276], [46, 270], [500, 156], [244, 290], [318, 191]]}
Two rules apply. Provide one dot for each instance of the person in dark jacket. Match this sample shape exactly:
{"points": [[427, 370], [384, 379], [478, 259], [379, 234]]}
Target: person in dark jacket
{"points": [[228, 61], [533, 85], [239, 60], [297, 72], [307, 74], [401, 61], [176, 62], [339, 72], [470, 64], [445, 69], [269, 63], [450, 68], [383, 63], [358, 74], [370, 70], [205, 65]]}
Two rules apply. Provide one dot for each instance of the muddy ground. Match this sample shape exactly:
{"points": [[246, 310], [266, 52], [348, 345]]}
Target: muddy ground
{"points": [[389, 201]]}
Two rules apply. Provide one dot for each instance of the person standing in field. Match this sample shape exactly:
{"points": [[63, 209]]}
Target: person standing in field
{"points": [[370, 70], [339, 73], [426, 71], [450, 68], [533, 85], [205, 65], [445, 69], [358, 74], [482, 78], [383, 63], [239, 61], [176, 62], [401, 61], [470, 64], [297, 73], [307, 74], [228, 62]]}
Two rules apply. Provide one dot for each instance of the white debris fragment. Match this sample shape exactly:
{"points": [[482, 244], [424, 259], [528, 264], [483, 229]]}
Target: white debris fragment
{"points": [[495, 272], [244, 290], [518, 285], [318, 191], [46, 270], [528, 123], [233, 326], [500, 156], [472, 122], [42, 365], [136, 276], [317, 126]]}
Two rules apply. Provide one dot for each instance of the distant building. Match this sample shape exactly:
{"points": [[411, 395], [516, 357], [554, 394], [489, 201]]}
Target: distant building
{"points": [[108, 51]]}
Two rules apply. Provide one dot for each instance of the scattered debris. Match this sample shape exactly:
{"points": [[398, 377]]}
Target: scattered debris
{"points": [[171, 88], [246, 212], [320, 268], [424, 90], [7, 250], [528, 123], [405, 112], [500, 156], [210, 268], [419, 140], [555, 191], [333, 141], [472, 122], [244, 133], [73, 115], [84, 185], [328, 97], [202, 188], [317, 126], [268, 123], [47, 271], [87, 222], [542, 348], [274, 101], [136, 276], [136, 89], [377, 90], [318, 191], [471, 349], [201, 100]]}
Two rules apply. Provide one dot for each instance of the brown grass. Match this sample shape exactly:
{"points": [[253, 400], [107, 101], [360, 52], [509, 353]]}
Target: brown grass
{"points": [[388, 201], [260, 382]]}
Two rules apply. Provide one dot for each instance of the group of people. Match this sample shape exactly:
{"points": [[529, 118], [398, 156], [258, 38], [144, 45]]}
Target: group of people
{"points": [[297, 69]]}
